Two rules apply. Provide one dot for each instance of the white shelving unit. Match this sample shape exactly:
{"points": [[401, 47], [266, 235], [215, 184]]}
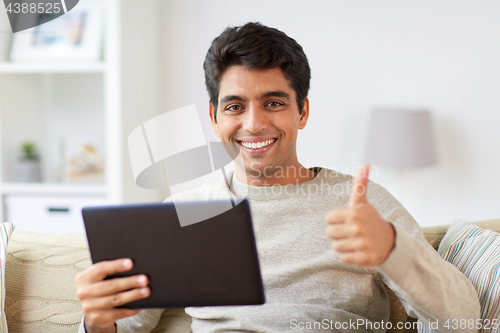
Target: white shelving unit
{"points": [[61, 106], [23, 68]]}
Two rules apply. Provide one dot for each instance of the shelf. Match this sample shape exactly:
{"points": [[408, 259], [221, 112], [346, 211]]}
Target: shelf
{"points": [[27, 68], [52, 189], [69, 109]]}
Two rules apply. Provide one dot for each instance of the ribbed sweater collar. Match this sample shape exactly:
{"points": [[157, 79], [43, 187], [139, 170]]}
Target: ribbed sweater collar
{"points": [[264, 193]]}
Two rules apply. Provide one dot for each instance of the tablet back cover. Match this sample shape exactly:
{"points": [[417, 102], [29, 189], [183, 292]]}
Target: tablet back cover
{"points": [[213, 262]]}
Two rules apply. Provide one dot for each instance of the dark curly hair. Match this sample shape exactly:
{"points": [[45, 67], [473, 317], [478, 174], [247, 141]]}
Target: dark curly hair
{"points": [[256, 46]]}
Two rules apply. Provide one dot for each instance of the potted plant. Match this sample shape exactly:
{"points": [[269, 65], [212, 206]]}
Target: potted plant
{"points": [[29, 169]]}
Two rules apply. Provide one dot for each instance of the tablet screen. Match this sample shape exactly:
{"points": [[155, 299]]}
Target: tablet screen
{"points": [[213, 262]]}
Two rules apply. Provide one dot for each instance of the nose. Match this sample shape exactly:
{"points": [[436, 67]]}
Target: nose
{"points": [[254, 120]]}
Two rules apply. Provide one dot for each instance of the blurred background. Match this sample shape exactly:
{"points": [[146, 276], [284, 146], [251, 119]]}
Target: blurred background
{"points": [[129, 61]]}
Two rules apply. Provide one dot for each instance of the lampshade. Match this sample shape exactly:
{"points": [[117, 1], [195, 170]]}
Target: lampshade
{"points": [[400, 138]]}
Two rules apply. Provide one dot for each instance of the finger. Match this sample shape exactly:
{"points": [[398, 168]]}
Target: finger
{"points": [[113, 301], [358, 258], [100, 270], [359, 186], [337, 231], [111, 287], [355, 258], [345, 245], [338, 215]]}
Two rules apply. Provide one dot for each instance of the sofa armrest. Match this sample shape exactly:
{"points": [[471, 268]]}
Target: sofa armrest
{"points": [[40, 288]]}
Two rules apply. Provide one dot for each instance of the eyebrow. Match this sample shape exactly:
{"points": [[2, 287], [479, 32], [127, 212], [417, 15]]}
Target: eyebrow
{"points": [[275, 94], [231, 98], [265, 95]]}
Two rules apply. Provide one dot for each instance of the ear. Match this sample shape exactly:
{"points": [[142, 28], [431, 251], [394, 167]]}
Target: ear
{"points": [[305, 114], [215, 126]]}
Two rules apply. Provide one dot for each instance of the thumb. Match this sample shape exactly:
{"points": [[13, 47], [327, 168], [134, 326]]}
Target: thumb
{"points": [[359, 186]]}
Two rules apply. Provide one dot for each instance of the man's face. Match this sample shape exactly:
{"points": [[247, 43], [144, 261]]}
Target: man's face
{"points": [[258, 111]]}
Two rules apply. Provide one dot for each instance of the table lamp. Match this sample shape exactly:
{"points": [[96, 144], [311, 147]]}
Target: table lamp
{"points": [[400, 138]]}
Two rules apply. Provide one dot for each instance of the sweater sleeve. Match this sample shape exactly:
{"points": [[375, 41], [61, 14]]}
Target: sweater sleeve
{"points": [[144, 322], [429, 287]]}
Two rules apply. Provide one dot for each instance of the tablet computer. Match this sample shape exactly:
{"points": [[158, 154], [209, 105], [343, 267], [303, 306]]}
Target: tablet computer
{"points": [[209, 263]]}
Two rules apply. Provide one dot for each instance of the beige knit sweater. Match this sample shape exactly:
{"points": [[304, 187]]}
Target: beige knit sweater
{"points": [[307, 288]]}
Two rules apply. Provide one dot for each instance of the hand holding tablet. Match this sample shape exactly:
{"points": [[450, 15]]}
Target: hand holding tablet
{"points": [[99, 297], [214, 262]]}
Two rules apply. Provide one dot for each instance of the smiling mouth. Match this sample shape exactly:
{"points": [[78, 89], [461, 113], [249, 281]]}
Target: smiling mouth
{"points": [[257, 145]]}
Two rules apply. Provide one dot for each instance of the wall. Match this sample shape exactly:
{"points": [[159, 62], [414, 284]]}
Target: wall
{"points": [[443, 55], [142, 66]]}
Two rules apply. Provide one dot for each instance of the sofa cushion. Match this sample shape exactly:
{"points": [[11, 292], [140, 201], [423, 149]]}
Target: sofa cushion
{"points": [[41, 293], [40, 273], [435, 234], [475, 252]]}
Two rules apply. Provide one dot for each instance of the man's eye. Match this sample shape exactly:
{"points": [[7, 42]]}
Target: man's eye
{"points": [[233, 108], [275, 104]]}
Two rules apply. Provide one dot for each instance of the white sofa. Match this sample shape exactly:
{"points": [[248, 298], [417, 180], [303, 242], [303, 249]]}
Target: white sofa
{"points": [[40, 290]]}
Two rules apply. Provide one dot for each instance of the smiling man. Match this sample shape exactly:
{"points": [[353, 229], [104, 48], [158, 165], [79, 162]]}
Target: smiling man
{"points": [[314, 278], [258, 110]]}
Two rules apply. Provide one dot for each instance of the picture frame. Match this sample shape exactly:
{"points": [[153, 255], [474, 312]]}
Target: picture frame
{"points": [[75, 36]]}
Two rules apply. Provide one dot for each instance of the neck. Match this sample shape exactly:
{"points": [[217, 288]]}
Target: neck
{"points": [[281, 175]]}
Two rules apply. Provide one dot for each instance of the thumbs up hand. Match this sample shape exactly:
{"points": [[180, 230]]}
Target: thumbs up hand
{"points": [[360, 235]]}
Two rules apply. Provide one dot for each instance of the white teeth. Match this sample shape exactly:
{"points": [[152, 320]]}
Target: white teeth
{"points": [[257, 145]]}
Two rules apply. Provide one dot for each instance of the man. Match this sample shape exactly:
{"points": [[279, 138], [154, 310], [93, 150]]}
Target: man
{"points": [[258, 80]]}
